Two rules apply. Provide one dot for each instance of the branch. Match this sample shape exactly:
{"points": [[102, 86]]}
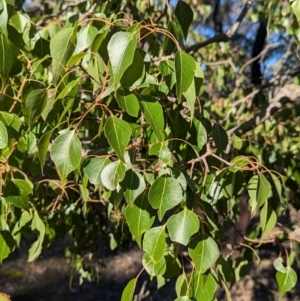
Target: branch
{"points": [[223, 37], [286, 94]]}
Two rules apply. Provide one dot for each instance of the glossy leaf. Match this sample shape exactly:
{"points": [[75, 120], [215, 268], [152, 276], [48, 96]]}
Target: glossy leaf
{"points": [[153, 113], [121, 49], [112, 174], [139, 217], [85, 37], [154, 243], [66, 153], [182, 226], [128, 292], [204, 252], [94, 168], [165, 193], [185, 68], [3, 135], [61, 49], [118, 133], [133, 185], [286, 281]]}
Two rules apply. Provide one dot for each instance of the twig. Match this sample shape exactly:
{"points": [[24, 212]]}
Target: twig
{"points": [[223, 37]]}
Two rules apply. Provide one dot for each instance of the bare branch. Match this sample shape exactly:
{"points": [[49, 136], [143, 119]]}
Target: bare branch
{"points": [[223, 37], [288, 93]]}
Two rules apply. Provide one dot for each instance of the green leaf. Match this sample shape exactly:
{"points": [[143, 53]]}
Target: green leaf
{"points": [[220, 137], [183, 298], [36, 248], [85, 37], [153, 268], [185, 67], [268, 219], [121, 49], [3, 135], [154, 242], [128, 101], [286, 281], [259, 190], [202, 287], [167, 69], [296, 8], [3, 18], [66, 153], [94, 168], [153, 114], [112, 174], [68, 89], [201, 133], [182, 226], [133, 185], [165, 193], [4, 297], [36, 102], [162, 151], [204, 252], [8, 56], [184, 16], [139, 217], [279, 266], [61, 49], [118, 133], [7, 244], [128, 291], [16, 192], [43, 145], [135, 73]]}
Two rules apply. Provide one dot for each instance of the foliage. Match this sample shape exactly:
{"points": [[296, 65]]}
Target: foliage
{"points": [[111, 128]]}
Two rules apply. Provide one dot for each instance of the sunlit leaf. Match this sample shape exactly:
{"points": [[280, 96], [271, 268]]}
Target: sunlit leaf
{"points": [[154, 242], [66, 153], [112, 174], [128, 291], [3, 135], [182, 226], [286, 281], [165, 193]]}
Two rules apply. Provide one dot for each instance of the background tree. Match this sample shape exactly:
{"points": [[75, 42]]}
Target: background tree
{"points": [[159, 122]]}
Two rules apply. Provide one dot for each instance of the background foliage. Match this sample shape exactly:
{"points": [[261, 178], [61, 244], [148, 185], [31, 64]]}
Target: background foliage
{"points": [[141, 121]]}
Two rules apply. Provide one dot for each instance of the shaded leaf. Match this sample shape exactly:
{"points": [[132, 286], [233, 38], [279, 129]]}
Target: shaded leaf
{"points": [[128, 101], [43, 145], [220, 137], [7, 244], [133, 185], [184, 16], [268, 219], [202, 287]]}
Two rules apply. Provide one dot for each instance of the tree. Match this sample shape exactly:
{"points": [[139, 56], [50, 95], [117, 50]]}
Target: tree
{"points": [[121, 120]]}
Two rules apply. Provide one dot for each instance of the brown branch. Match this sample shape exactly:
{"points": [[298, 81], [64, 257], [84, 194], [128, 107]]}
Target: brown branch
{"points": [[288, 93], [223, 37]]}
